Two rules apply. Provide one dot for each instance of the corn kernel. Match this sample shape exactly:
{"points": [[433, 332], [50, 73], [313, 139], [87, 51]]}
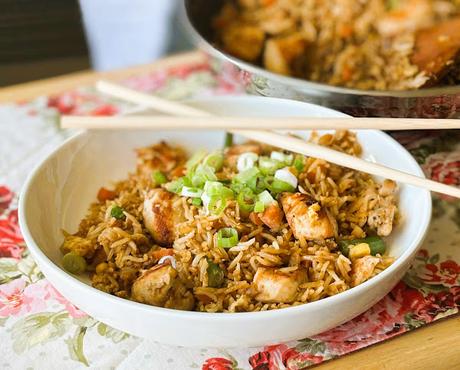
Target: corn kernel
{"points": [[359, 250], [101, 267]]}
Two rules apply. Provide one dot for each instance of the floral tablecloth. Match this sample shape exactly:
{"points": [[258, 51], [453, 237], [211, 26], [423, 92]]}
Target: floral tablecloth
{"points": [[39, 329]]}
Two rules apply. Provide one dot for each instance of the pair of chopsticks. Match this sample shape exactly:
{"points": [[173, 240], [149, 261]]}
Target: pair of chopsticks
{"points": [[187, 117]]}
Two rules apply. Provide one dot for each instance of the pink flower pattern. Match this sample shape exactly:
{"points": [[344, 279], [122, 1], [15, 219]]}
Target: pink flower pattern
{"points": [[17, 298], [6, 196], [11, 241]]}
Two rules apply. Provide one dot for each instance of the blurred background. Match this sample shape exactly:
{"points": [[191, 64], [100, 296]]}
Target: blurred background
{"points": [[46, 38]]}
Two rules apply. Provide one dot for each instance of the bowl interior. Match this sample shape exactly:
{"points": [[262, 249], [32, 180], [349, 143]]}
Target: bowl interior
{"points": [[60, 190]]}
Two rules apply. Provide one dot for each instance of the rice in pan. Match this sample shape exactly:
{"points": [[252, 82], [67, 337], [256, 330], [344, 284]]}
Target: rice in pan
{"points": [[250, 228], [366, 44]]}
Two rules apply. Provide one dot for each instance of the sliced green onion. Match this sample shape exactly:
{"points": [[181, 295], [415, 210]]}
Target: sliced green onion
{"points": [[266, 198], [216, 196], [74, 263], [246, 161], [158, 178], [246, 199], [196, 202], [277, 186], [191, 192], [259, 207], [117, 212], [228, 140], [216, 276], [175, 186], [282, 157], [245, 176], [202, 174], [213, 188], [217, 203], [299, 163], [215, 160], [269, 166], [195, 159], [376, 245], [227, 237], [286, 176]]}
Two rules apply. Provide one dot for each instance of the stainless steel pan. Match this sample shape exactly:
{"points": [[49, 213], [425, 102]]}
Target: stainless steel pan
{"points": [[440, 102]]}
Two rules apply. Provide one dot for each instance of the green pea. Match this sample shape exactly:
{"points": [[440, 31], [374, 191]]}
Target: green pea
{"points": [[74, 263], [215, 275], [117, 212]]}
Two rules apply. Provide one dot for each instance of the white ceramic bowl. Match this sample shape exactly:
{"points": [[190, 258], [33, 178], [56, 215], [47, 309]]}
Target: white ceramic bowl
{"points": [[60, 189]]}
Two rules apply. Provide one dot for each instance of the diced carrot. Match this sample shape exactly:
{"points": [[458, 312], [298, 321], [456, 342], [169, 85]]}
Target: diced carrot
{"points": [[159, 253], [105, 194], [345, 30], [347, 73], [267, 2]]}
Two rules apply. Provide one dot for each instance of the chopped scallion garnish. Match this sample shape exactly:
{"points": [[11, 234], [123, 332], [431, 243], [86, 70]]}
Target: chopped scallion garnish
{"points": [[299, 163], [268, 166], [158, 178], [196, 202], [286, 176], [202, 174], [259, 207], [175, 186], [246, 161], [266, 198], [228, 140], [246, 199], [215, 160], [227, 237], [282, 157], [195, 159], [191, 192]]}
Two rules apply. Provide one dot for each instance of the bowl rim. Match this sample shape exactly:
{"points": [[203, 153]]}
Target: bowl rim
{"points": [[88, 290], [299, 83]]}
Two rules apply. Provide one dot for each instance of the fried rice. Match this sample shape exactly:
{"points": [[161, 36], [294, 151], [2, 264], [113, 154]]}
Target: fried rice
{"points": [[365, 44], [143, 242]]}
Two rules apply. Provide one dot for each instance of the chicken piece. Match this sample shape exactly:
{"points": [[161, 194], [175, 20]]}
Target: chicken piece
{"points": [[161, 286], [233, 152], [274, 286], [278, 22], [381, 219], [388, 188], [281, 52], [306, 217], [362, 269], [382, 208], [243, 41], [272, 217], [161, 156], [408, 16], [160, 217], [437, 50]]}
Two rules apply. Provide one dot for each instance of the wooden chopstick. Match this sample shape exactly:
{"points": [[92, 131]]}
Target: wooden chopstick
{"points": [[245, 123], [291, 123], [282, 141]]}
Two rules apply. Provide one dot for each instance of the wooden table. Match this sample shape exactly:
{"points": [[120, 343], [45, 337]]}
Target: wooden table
{"points": [[435, 346]]}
